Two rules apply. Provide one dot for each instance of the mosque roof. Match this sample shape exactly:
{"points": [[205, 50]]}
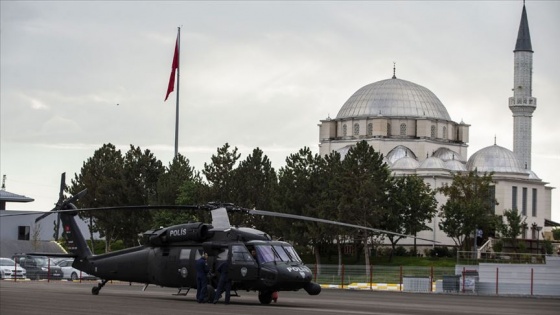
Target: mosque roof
{"points": [[394, 98], [495, 159]]}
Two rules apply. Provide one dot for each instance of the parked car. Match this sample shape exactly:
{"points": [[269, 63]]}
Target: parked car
{"points": [[69, 272], [38, 267], [9, 269]]}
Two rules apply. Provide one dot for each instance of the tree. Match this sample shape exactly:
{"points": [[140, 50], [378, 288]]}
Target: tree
{"points": [[298, 194], [174, 175], [218, 174], [513, 226], [102, 175], [254, 182], [469, 207], [411, 204], [177, 185], [328, 205], [141, 173], [366, 183]]}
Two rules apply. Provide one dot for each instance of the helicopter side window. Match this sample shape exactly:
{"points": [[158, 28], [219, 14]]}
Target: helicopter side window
{"points": [[241, 256], [292, 253], [281, 253], [185, 254], [265, 253], [223, 255]]}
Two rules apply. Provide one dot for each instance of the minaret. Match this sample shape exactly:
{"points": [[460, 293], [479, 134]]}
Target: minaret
{"points": [[522, 104]]}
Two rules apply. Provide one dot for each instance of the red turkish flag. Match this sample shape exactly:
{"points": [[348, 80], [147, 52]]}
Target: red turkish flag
{"points": [[174, 67]]}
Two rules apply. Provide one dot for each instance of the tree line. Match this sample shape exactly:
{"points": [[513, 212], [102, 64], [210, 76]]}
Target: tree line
{"points": [[356, 189]]}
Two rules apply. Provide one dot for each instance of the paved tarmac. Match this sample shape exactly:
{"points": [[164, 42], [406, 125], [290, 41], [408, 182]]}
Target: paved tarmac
{"points": [[63, 297]]}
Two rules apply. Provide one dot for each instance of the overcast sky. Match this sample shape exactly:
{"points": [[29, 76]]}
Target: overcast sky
{"points": [[76, 75]]}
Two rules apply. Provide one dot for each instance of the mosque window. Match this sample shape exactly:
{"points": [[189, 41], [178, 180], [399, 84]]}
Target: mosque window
{"points": [[388, 129], [356, 129], [344, 130], [534, 203], [403, 129], [369, 130], [444, 136], [514, 197], [433, 132], [524, 201]]}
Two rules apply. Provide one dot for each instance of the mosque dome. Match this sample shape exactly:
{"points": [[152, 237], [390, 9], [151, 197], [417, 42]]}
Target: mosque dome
{"points": [[455, 166], [344, 150], [446, 154], [394, 98], [399, 152], [495, 159], [432, 162], [406, 162]]}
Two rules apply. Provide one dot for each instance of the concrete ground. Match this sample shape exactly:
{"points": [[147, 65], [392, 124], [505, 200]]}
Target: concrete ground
{"points": [[64, 297]]}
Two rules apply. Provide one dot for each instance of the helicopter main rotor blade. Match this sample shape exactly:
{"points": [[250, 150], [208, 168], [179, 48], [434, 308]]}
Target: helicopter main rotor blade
{"points": [[300, 217], [220, 219]]}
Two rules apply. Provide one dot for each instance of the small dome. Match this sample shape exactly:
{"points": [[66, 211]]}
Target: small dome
{"points": [[495, 159], [447, 155], [455, 166], [532, 175], [386, 161], [344, 150], [432, 162], [394, 98], [399, 152], [405, 163]]}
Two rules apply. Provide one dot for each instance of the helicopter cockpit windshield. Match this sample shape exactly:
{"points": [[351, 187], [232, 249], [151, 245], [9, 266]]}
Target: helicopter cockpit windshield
{"points": [[277, 253]]}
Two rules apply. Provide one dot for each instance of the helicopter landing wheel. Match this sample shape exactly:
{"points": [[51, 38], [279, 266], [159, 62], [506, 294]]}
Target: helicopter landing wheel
{"points": [[265, 297], [95, 290]]}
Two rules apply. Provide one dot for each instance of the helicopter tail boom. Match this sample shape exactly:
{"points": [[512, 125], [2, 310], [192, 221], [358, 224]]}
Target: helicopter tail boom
{"points": [[71, 232]]}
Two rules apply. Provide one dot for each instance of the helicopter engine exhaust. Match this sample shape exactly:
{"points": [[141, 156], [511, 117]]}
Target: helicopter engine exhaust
{"points": [[312, 288]]}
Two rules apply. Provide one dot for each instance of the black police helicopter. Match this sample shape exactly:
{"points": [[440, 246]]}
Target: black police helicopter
{"points": [[169, 254]]}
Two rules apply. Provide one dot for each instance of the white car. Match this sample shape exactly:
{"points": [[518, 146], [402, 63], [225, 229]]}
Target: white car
{"points": [[69, 272], [9, 269]]}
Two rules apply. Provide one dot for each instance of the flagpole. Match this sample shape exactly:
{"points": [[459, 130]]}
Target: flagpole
{"points": [[177, 106]]}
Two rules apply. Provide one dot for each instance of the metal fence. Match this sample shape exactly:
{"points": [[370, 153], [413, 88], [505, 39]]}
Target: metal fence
{"points": [[491, 279]]}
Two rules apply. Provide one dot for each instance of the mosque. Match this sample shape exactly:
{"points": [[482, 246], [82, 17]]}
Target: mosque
{"points": [[411, 127]]}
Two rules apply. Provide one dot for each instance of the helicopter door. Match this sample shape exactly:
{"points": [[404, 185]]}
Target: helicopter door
{"points": [[242, 266], [182, 270]]}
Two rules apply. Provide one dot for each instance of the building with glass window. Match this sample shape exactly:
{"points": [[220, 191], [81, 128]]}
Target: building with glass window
{"points": [[411, 127]]}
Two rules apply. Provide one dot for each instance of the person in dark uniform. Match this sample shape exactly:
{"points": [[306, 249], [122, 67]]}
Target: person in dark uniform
{"points": [[224, 284], [201, 278]]}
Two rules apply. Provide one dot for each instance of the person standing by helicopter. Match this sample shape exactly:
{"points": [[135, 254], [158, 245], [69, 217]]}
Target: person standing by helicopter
{"points": [[224, 284], [201, 278]]}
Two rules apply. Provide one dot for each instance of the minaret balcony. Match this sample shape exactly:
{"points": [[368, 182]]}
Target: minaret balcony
{"points": [[523, 101]]}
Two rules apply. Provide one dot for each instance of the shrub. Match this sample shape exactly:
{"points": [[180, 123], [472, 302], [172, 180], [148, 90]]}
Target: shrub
{"points": [[400, 251], [498, 246]]}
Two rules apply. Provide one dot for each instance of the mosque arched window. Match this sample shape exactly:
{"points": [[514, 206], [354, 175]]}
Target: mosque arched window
{"points": [[444, 136], [369, 130], [403, 129], [344, 130], [356, 129], [433, 132]]}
